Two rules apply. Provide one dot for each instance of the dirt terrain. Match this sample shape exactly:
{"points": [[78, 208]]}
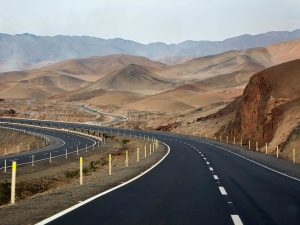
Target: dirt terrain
{"points": [[12, 142], [56, 186]]}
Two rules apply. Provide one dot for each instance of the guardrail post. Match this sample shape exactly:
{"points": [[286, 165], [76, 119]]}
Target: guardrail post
{"points": [[241, 142], [234, 140], [294, 155], [145, 153], [109, 164], [32, 160], [5, 166], [50, 157], [256, 146], [13, 182], [80, 170], [150, 149], [277, 151], [137, 154], [249, 144], [266, 148]]}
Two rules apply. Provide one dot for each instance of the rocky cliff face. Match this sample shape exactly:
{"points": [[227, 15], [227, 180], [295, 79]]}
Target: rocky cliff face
{"points": [[270, 98]]}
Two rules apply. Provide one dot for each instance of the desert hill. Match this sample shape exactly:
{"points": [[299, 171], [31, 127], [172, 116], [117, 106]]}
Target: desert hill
{"points": [[40, 87], [132, 78], [90, 69], [101, 66], [269, 109], [18, 51], [243, 63]]}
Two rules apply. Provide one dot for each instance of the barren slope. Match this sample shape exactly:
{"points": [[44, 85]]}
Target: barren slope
{"points": [[132, 78], [270, 107]]}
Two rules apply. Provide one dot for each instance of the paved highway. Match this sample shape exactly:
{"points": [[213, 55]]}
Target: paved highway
{"points": [[62, 141], [200, 182]]}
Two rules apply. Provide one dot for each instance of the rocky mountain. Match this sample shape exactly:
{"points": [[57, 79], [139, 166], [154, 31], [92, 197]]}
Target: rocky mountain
{"points": [[22, 50], [269, 109]]}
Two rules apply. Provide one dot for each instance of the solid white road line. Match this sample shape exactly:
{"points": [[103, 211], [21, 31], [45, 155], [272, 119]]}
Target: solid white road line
{"points": [[236, 220], [45, 221], [222, 190], [252, 161], [216, 177]]}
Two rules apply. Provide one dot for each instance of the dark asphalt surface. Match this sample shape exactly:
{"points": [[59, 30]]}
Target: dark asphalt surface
{"points": [[64, 141], [185, 189]]}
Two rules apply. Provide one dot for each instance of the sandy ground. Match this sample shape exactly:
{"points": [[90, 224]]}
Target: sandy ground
{"points": [[58, 188], [12, 142]]}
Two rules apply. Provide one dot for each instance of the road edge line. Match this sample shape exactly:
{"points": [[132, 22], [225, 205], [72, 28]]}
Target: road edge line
{"points": [[64, 212], [253, 161]]}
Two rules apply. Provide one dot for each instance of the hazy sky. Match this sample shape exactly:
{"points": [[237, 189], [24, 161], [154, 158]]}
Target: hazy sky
{"points": [[148, 21]]}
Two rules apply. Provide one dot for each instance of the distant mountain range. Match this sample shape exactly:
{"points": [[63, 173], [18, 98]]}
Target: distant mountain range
{"points": [[23, 51]]}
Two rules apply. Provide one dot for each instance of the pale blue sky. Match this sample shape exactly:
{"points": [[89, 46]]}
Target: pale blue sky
{"points": [[146, 21]]}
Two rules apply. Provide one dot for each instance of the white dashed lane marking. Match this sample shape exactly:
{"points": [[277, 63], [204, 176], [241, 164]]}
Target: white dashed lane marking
{"points": [[216, 177], [222, 190], [236, 220], [211, 169]]}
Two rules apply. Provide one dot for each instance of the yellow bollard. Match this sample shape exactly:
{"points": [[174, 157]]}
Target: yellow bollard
{"points": [[277, 152], [241, 142], [145, 152], [266, 148], [294, 155], [256, 146], [150, 149], [80, 170], [109, 164], [13, 182], [126, 158], [249, 144], [137, 155]]}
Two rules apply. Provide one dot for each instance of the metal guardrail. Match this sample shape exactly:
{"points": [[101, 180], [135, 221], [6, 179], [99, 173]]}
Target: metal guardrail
{"points": [[50, 157]]}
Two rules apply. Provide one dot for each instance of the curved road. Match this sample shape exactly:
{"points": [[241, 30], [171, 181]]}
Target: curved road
{"points": [[69, 141], [200, 182]]}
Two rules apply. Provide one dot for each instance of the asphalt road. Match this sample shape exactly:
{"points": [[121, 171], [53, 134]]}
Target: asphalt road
{"points": [[200, 182], [62, 141]]}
